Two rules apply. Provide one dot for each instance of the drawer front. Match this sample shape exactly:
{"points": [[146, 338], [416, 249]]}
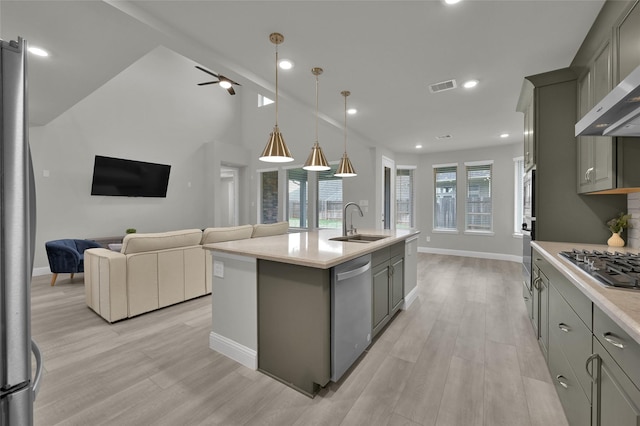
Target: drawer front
{"points": [[574, 402], [380, 256], [580, 303], [622, 348], [569, 334], [397, 249]]}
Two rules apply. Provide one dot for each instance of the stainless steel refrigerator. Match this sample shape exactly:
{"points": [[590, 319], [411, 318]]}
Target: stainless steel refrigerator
{"points": [[17, 235]]}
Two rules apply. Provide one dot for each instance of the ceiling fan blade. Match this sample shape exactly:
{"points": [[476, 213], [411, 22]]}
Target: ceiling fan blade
{"points": [[208, 82], [231, 91], [208, 72]]}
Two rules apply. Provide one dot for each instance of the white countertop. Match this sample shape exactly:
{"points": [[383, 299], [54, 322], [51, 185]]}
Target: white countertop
{"points": [[313, 248], [622, 305]]}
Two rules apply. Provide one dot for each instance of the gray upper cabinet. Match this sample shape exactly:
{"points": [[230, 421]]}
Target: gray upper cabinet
{"points": [[595, 154], [628, 37], [529, 140]]}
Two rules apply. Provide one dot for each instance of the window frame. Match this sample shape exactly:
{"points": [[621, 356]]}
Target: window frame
{"points": [[304, 211], [331, 172], [260, 203], [473, 164], [412, 196], [436, 229]]}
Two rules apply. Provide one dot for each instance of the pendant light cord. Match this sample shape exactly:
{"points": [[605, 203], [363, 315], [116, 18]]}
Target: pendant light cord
{"points": [[345, 124], [316, 108], [276, 85]]}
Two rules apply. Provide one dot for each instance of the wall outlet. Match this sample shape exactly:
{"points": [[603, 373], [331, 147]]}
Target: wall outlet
{"points": [[428, 238], [218, 269]]}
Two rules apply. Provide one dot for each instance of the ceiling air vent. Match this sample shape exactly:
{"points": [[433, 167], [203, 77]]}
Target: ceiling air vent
{"points": [[443, 137], [442, 86]]}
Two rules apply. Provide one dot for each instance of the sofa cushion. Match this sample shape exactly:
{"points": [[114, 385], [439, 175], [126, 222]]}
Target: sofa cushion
{"points": [[227, 233], [268, 229], [138, 243]]}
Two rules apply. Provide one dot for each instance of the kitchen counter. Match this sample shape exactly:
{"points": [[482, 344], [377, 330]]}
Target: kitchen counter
{"points": [[313, 248], [621, 305]]}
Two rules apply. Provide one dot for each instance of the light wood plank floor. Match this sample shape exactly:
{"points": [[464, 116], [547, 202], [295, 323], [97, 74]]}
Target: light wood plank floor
{"points": [[463, 354]]}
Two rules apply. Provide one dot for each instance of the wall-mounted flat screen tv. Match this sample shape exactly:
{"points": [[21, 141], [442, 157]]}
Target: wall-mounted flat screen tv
{"points": [[129, 178]]}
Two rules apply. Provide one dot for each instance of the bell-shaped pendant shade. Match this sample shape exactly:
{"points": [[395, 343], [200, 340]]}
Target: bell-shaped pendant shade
{"points": [[276, 150], [345, 169], [316, 161]]}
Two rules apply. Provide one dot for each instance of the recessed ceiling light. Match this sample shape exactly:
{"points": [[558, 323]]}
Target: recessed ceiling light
{"points": [[38, 51], [285, 64], [504, 135], [452, 1], [469, 84], [418, 146], [352, 111]]}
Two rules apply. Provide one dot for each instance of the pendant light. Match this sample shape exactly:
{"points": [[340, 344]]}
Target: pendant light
{"points": [[276, 150], [316, 161], [345, 169]]}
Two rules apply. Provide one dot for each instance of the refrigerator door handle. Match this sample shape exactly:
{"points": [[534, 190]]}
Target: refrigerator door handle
{"points": [[37, 381]]}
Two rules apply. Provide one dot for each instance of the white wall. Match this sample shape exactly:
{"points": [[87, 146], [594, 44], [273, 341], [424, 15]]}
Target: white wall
{"points": [[145, 114], [500, 245], [141, 114]]}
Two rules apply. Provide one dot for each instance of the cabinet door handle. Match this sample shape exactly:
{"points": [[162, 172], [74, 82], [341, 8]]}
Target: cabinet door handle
{"points": [[526, 299], [564, 327], [562, 381], [614, 342], [590, 359]]}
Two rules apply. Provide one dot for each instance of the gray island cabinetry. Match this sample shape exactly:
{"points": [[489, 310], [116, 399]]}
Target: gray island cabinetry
{"points": [[302, 307]]}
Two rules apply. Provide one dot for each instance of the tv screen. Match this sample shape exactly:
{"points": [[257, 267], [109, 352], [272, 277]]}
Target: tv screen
{"points": [[129, 178]]}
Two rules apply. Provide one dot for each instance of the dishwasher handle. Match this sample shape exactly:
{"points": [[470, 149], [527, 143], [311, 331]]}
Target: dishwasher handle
{"points": [[353, 273]]}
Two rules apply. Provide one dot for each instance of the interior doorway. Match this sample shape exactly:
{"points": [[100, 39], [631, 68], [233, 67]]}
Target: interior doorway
{"points": [[388, 193], [229, 194]]}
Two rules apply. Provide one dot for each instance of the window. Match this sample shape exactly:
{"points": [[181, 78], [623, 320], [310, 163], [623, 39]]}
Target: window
{"points": [[269, 196], [404, 198], [518, 195], [329, 199], [478, 214], [297, 198], [445, 182]]}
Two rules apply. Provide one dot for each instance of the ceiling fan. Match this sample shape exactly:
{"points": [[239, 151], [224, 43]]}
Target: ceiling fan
{"points": [[225, 82]]}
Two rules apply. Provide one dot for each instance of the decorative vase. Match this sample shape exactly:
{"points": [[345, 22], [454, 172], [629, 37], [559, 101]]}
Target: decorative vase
{"points": [[615, 240]]}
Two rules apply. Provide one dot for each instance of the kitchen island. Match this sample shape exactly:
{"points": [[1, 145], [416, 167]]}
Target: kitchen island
{"points": [[272, 297]]}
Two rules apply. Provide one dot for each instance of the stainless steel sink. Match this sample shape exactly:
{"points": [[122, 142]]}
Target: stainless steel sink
{"points": [[359, 238]]}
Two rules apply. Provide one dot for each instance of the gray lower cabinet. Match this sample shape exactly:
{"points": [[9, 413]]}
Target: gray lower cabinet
{"points": [[387, 285], [616, 398], [294, 324], [593, 362]]}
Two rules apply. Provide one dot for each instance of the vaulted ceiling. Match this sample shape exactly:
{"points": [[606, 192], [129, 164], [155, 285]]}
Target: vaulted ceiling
{"points": [[386, 53]]}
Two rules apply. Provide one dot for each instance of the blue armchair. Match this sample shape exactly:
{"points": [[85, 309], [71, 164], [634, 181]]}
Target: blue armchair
{"points": [[67, 256]]}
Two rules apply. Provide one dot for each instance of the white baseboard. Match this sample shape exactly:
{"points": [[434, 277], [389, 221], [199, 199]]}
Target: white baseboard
{"points": [[478, 254], [410, 298], [234, 350], [41, 271]]}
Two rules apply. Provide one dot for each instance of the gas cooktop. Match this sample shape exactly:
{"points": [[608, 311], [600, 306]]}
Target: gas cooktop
{"points": [[617, 269]]}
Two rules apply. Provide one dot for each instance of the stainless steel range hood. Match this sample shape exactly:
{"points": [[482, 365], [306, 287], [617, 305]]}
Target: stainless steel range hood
{"points": [[618, 114]]}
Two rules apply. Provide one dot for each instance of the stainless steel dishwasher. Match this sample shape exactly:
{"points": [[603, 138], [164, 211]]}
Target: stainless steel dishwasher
{"points": [[350, 313]]}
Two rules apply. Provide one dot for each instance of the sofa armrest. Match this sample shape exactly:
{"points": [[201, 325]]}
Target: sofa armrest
{"points": [[105, 283]]}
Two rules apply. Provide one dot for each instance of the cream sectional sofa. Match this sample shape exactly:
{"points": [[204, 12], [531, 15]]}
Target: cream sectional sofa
{"points": [[152, 271]]}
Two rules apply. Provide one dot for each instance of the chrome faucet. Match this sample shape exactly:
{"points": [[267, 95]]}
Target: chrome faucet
{"points": [[344, 219]]}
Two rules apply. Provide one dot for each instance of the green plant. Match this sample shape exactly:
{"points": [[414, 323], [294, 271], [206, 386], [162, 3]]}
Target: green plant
{"points": [[131, 231], [617, 224]]}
